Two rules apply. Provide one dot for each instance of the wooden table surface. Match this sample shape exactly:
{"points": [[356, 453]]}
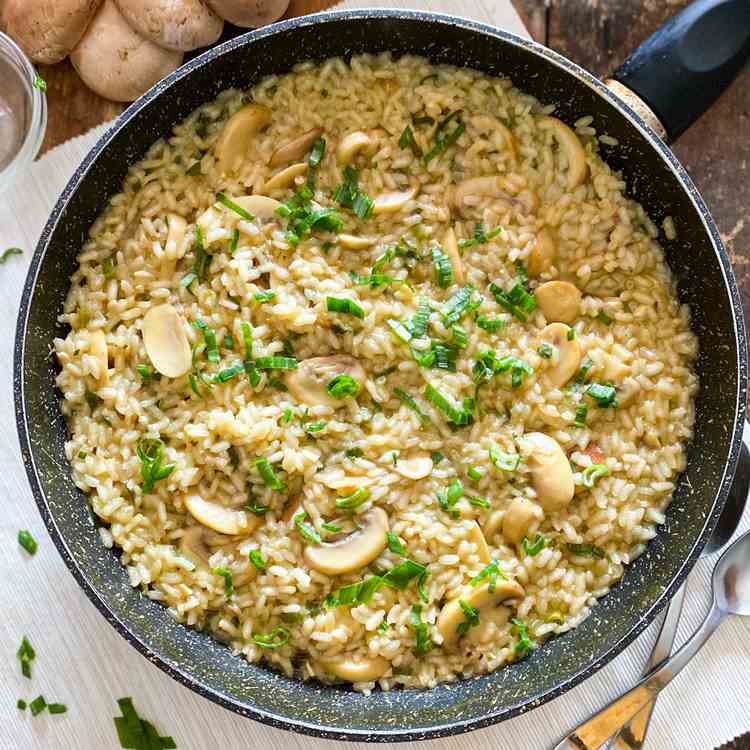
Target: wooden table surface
{"points": [[594, 33]]}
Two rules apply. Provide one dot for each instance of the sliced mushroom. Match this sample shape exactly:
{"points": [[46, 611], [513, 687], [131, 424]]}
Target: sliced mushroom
{"points": [[476, 536], [452, 614], [181, 25], [353, 242], [566, 357], [519, 516], [389, 203], [558, 300], [478, 186], [353, 551], [166, 342], [99, 351], [357, 669], [450, 245], [351, 145], [542, 254], [486, 123], [234, 141], [414, 467], [577, 167], [345, 484], [286, 177], [176, 227], [309, 382], [221, 519], [493, 524], [259, 205], [115, 61], [551, 475], [295, 149]]}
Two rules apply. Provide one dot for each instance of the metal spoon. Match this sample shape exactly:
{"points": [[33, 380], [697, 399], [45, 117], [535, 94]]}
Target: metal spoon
{"points": [[730, 584], [633, 734]]}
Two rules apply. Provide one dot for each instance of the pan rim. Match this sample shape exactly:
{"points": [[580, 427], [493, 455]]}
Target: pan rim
{"points": [[296, 724]]}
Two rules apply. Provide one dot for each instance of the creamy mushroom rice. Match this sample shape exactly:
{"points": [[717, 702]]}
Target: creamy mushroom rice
{"points": [[375, 373]]}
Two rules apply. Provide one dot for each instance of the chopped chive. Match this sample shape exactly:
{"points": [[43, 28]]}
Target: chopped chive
{"points": [[524, 644], [350, 196], [473, 473], [445, 139], [139, 734], [504, 461], [602, 317], [359, 496], [545, 350], [57, 708], [400, 576], [276, 363], [268, 296], [490, 572], [268, 475], [39, 83], [407, 140], [471, 617], [27, 541], [491, 325], [443, 268], [457, 305], [228, 584], [26, 656], [480, 237], [479, 502], [518, 302], [581, 413], [234, 241], [360, 592], [287, 416], [313, 427], [354, 453], [109, 266], [277, 638], [343, 386], [457, 416], [436, 457], [224, 376], [583, 372], [232, 206], [571, 334], [308, 532], [421, 582], [605, 395], [411, 403], [586, 550], [317, 153], [151, 453], [256, 508], [533, 548], [37, 705], [421, 630], [447, 499], [344, 305], [257, 560], [209, 337], [21, 704], [394, 544], [592, 474]]}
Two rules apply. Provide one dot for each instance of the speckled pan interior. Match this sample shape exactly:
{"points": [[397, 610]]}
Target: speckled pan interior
{"points": [[697, 257]]}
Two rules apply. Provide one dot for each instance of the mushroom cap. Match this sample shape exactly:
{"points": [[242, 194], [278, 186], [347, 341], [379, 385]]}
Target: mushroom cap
{"points": [[249, 13], [551, 474], [179, 25], [48, 31], [115, 61], [309, 382]]}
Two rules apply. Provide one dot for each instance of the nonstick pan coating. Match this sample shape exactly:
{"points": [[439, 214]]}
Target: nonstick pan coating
{"points": [[705, 282]]}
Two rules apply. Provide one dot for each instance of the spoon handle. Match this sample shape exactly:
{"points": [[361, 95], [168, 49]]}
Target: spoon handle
{"points": [[593, 733]]}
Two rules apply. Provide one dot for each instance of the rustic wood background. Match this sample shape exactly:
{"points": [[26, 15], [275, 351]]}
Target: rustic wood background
{"points": [[594, 33]]}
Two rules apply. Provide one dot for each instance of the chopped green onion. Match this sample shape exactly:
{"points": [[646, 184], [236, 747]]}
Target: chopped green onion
{"points": [[487, 365], [571, 334], [355, 593], [10, 251], [21, 704], [545, 350], [232, 206], [277, 638], [587, 550], [343, 386], [227, 576], [504, 461], [268, 475], [582, 374], [231, 372], [57, 708], [362, 205], [92, 399], [268, 296], [313, 427], [350, 196], [287, 416], [581, 413], [490, 325], [276, 363], [421, 581], [411, 403], [26, 656], [473, 473], [151, 453], [234, 241], [37, 705], [443, 139], [147, 373], [602, 317], [533, 548], [136, 733], [471, 617], [421, 630], [256, 508], [443, 268], [490, 572], [460, 337], [307, 531], [314, 159], [447, 499], [604, 395], [457, 416], [354, 453], [592, 474], [359, 496], [39, 83], [383, 627], [344, 305], [27, 541], [518, 302], [400, 576], [303, 218], [480, 236], [109, 266], [524, 644], [407, 140], [330, 527], [436, 457], [457, 305], [257, 560], [209, 336], [394, 544], [478, 502]]}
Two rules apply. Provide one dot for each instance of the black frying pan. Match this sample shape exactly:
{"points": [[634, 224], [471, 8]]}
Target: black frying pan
{"points": [[679, 72]]}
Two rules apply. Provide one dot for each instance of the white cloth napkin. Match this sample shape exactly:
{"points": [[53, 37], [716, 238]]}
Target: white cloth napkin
{"points": [[82, 662]]}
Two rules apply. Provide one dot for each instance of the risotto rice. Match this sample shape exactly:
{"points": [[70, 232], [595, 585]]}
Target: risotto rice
{"points": [[375, 373]]}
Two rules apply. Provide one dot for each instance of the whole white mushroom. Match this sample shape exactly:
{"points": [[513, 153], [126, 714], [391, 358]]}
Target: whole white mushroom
{"points": [[179, 25], [48, 31], [249, 13], [116, 62]]}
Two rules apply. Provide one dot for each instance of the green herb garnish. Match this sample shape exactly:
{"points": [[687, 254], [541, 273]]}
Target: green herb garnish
{"points": [[276, 363], [277, 638], [343, 386], [411, 403], [480, 236], [471, 617], [489, 324], [524, 644], [350, 196], [394, 544], [359, 496], [135, 733], [354, 453], [151, 453], [581, 413], [533, 548], [27, 541], [9, 252], [490, 572], [257, 560], [26, 656], [444, 139], [605, 395], [443, 268], [457, 305], [458, 417], [308, 532], [602, 317], [400, 576], [228, 584], [39, 83], [448, 498], [504, 461], [268, 475], [586, 550], [592, 474], [421, 630], [268, 296], [545, 351], [344, 305], [232, 206], [518, 302], [37, 705]]}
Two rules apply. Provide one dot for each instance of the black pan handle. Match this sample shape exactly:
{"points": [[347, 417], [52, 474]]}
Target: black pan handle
{"points": [[681, 69]]}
